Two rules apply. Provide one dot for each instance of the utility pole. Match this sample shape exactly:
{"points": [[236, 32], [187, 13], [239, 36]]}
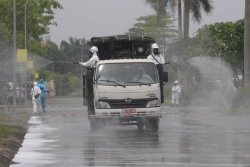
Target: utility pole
{"points": [[14, 57], [81, 67], [25, 41]]}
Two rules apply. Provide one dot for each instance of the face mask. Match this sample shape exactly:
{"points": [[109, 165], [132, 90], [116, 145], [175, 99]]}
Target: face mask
{"points": [[156, 52]]}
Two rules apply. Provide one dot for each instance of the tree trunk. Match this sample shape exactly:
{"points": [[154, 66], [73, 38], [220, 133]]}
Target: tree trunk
{"points": [[159, 8], [247, 44], [186, 18], [179, 73], [179, 20]]}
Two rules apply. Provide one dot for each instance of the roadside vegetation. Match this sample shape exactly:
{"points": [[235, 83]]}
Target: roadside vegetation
{"points": [[6, 131], [9, 125]]}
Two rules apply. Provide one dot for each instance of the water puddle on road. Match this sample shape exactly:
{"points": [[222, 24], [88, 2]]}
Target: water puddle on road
{"points": [[35, 147]]}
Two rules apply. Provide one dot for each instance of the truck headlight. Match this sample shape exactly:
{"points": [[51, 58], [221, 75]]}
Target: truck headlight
{"points": [[154, 103], [101, 104]]}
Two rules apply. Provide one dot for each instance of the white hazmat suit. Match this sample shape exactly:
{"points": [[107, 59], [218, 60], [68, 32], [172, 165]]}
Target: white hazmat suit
{"points": [[36, 101], [93, 59], [156, 55], [176, 90]]}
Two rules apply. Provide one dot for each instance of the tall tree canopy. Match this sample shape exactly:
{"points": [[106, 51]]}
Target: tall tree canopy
{"points": [[190, 6], [162, 31], [224, 40], [39, 16]]}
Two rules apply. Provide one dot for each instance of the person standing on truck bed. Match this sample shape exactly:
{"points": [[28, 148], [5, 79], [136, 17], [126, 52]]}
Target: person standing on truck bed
{"points": [[156, 55], [93, 58]]}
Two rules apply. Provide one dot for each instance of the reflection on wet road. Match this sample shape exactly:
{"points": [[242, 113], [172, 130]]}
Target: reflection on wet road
{"points": [[196, 138]]}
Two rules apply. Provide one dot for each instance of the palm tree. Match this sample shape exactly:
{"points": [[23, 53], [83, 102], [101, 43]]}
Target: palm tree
{"points": [[160, 6], [190, 6], [246, 44], [195, 6], [179, 20]]}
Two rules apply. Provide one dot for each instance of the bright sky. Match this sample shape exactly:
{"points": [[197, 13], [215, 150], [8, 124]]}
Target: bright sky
{"points": [[88, 18]]}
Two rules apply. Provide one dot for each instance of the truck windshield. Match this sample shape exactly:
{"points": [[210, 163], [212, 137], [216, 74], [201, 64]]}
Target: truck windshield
{"points": [[127, 74]]}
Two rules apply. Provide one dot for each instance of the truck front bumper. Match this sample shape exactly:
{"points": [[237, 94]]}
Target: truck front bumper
{"points": [[119, 113]]}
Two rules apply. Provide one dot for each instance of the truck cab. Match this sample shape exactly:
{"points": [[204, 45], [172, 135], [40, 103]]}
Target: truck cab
{"points": [[124, 87]]}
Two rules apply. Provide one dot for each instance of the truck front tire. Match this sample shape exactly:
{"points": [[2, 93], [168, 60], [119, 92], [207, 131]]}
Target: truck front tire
{"points": [[96, 124], [140, 124], [154, 123]]}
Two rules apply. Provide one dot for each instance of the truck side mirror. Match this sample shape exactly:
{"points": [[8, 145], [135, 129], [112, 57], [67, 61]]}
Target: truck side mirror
{"points": [[89, 75], [165, 77]]}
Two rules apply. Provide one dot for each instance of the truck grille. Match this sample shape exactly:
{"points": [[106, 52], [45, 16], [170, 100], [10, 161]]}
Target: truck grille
{"points": [[120, 103], [136, 103]]}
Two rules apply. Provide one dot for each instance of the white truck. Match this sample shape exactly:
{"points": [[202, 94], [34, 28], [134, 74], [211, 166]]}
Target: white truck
{"points": [[124, 87]]}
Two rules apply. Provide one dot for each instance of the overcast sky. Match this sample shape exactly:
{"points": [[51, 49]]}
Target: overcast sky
{"points": [[88, 18]]}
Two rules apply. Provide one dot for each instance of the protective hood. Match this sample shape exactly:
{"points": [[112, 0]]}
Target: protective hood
{"points": [[93, 49], [35, 83], [41, 81], [155, 46]]}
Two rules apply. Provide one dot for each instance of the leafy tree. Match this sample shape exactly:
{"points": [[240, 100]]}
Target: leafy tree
{"points": [[163, 31], [39, 16], [224, 40], [38, 19]]}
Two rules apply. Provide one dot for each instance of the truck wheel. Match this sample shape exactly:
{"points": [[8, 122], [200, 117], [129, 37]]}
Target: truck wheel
{"points": [[140, 124], [155, 124], [100, 124], [96, 124], [92, 123]]}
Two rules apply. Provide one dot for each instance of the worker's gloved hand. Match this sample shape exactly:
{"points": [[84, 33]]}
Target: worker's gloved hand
{"points": [[47, 91], [76, 62]]}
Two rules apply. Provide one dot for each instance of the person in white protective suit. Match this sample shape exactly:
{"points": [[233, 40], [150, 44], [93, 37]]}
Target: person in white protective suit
{"points": [[156, 55], [35, 94], [93, 58], [176, 90]]}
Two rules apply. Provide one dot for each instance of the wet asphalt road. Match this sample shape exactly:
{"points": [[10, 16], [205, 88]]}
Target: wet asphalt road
{"points": [[192, 137]]}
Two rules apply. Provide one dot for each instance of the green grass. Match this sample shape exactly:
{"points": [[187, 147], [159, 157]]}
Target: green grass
{"points": [[9, 125], [6, 131]]}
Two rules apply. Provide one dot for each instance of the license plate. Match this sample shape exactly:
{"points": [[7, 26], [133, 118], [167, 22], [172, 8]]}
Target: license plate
{"points": [[128, 111]]}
